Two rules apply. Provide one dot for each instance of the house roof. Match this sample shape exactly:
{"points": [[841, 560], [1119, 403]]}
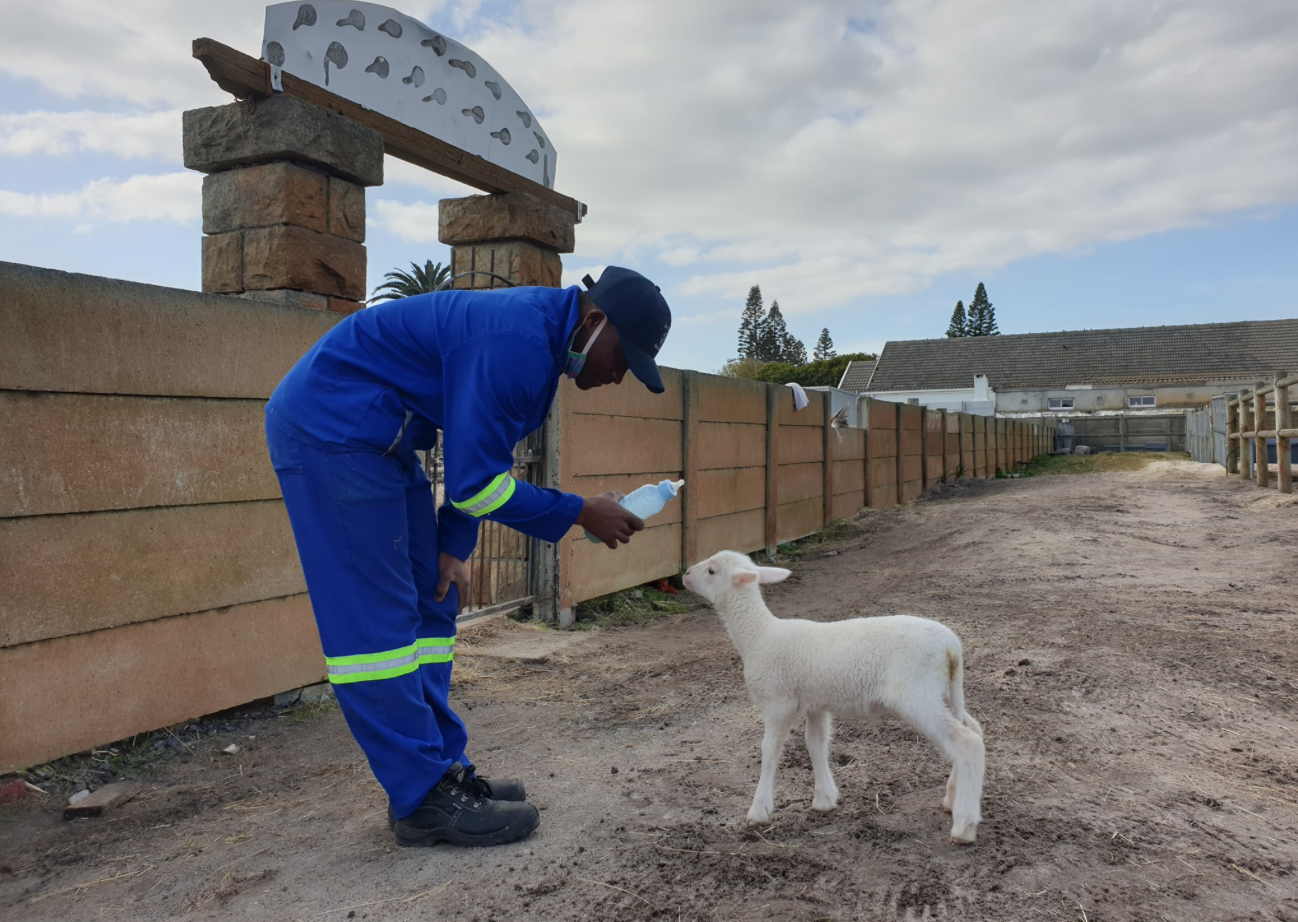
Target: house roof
{"points": [[856, 376], [1242, 351]]}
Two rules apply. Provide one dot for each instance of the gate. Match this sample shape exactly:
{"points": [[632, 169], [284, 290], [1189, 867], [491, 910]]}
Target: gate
{"points": [[501, 572], [1220, 443]]}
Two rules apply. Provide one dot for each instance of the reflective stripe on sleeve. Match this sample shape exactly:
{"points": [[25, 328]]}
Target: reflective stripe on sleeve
{"points": [[491, 498]]}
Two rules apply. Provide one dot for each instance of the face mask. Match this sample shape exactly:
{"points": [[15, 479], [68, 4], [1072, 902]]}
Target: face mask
{"points": [[577, 360]]}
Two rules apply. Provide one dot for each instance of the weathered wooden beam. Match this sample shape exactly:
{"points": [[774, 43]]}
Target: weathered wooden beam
{"points": [[247, 77]]}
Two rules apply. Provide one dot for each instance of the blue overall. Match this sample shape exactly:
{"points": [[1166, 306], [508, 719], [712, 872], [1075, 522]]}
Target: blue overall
{"points": [[343, 427]]}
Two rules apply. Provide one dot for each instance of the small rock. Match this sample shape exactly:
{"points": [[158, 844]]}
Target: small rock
{"points": [[1025, 662], [830, 554], [1010, 671], [14, 790], [79, 796], [614, 771], [231, 749]]}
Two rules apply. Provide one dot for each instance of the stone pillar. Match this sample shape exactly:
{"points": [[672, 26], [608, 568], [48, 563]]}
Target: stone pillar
{"points": [[513, 235], [284, 200]]}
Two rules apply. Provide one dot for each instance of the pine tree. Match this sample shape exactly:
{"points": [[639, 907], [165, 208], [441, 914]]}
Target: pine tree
{"points": [[959, 325], [775, 336], [824, 347], [752, 325], [982, 315], [794, 352]]}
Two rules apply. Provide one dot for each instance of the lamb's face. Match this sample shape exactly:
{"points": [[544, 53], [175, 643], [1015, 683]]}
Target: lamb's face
{"points": [[725, 571]]}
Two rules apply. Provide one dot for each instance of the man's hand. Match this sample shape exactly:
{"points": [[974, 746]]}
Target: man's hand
{"points": [[608, 521], [451, 570]]}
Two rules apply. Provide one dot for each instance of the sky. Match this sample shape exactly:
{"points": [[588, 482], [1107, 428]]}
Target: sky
{"points": [[1096, 163]]}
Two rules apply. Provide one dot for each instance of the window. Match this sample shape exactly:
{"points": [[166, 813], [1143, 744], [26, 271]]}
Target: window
{"points": [[1145, 400], [1059, 403]]}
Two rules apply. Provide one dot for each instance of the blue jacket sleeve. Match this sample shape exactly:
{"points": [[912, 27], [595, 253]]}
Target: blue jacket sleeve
{"points": [[491, 385]]}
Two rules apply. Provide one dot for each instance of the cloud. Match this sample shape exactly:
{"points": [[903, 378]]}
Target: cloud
{"points": [[61, 134], [838, 149], [169, 197], [845, 149], [136, 50], [415, 223]]}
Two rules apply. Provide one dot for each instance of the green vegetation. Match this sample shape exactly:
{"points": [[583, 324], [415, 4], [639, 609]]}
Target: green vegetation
{"points": [[825, 373], [631, 607], [418, 281], [978, 320], [824, 350], [1101, 463]]}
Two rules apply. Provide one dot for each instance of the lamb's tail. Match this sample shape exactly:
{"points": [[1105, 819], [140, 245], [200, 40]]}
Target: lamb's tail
{"points": [[955, 689]]}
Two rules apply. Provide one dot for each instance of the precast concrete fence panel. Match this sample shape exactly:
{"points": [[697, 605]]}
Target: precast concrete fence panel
{"points": [[149, 571], [150, 574]]}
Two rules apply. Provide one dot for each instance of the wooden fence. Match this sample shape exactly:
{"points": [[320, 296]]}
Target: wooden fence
{"points": [[1255, 418], [758, 472]]}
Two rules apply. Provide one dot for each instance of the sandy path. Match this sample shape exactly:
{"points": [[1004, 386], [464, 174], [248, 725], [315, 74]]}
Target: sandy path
{"points": [[1143, 762]]}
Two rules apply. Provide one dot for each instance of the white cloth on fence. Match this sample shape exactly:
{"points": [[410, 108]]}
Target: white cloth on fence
{"points": [[800, 400]]}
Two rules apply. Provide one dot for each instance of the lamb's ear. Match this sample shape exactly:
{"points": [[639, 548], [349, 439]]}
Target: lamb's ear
{"points": [[743, 577], [772, 574]]}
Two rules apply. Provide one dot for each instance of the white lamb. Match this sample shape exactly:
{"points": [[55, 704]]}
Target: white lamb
{"points": [[910, 667]]}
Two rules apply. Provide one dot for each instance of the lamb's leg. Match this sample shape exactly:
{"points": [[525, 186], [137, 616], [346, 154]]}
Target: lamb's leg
{"points": [[949, 800], [964, 747], [778, 723], [970, 763], [818, 735]]}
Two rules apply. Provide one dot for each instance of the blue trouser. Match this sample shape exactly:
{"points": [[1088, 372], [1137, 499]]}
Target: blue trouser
{"points": [[366, 532]]}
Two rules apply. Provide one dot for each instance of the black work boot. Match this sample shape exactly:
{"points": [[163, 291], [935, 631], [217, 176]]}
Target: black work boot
{"points": [[453, 812], [500, 789], [508, 789]]}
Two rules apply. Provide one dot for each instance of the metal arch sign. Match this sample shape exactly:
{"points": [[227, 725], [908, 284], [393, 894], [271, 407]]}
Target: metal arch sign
{"points": [[396, 65]]}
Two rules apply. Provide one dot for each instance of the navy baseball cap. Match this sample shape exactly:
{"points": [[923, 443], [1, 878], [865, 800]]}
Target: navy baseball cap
{"points": [[636, 308]]}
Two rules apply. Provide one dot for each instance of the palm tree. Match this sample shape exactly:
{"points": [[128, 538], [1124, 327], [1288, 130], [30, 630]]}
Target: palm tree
{"points": [[417, 281]]}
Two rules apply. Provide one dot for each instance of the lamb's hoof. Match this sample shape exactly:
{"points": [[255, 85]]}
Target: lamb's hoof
{"points": [[946, 807], [965, 836], [758, 816], [824, 804]]}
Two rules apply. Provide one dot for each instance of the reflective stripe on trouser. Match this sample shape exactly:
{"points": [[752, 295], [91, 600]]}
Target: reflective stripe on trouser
{"points": [[367, 537], [368, 667]]}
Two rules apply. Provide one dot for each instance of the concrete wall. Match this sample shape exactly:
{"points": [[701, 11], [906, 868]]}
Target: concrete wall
{"points": [[1086, 398], [148, 567], [758, 472], [1121, 432], [149, 571], [1090, 399]]}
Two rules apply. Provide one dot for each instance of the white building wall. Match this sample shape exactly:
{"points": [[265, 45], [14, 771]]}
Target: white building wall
{"points": [[978, 400]]}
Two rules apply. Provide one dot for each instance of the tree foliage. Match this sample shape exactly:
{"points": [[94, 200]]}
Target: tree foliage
{"points": [[978, 320], [982, 315], [752, 325], [824, 347], [823, 373], [419, 280], [764, 336], [959, 325]]}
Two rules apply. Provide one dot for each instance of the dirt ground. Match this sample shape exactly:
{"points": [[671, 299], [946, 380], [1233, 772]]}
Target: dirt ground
{"points": [[1129, 639]]}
